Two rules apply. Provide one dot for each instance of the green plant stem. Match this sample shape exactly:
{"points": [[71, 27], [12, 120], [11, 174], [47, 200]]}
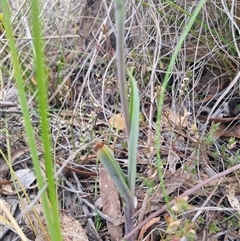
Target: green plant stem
{"points": [[43, 112], [129, 211], [120, 21]]}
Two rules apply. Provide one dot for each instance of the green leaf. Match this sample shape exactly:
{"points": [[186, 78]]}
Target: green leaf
{"points": [[134, 131], [114, 170]]}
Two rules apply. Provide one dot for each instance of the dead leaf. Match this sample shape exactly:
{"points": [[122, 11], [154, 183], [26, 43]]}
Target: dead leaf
{"points": [[3, 218], [173, 159], [117, 121], [7, 189], [3, 169], [4, 181], [230, 193], [233, 132], [220, 131], [35, 220], [146, 227], [225, 130], [72, 229], [26, 177], [14, 156], [110, 202], [9, 95], [178, 117]]}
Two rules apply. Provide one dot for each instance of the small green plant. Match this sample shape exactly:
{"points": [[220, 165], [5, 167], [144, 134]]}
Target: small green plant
{"points": [[225, 151], [176, 228], [200, 220], [213, 227], [233, 159], [231, 143], [150, 185], [98, 222], [209, 140]]}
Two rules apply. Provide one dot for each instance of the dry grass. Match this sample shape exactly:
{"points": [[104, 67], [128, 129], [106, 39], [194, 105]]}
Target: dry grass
{"points": [[83, 95]]}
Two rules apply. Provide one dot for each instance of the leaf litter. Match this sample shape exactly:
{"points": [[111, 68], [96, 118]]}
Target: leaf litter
{"points": [[84, 101], [111, 204]]}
